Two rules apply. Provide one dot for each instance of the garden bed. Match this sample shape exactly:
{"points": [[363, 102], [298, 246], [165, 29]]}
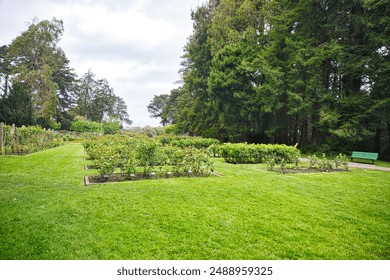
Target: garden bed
{"points": [[134, 158], [306, 170], [117, 177]]}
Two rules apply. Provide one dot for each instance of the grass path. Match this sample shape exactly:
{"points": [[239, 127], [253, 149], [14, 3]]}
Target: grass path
{"points": [[249, 213]]}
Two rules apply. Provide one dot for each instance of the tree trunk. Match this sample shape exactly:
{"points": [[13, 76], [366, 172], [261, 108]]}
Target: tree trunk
{"points": [[377, 141], [388, 140], [304, 140], [326, 71]]}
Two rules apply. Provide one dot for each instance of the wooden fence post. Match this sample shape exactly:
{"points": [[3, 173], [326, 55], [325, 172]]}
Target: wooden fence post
{"points": [[12, 134], [1, 138]]}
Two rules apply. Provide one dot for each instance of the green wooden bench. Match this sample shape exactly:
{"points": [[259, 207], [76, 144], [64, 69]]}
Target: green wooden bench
{"points": [[364, 155]]}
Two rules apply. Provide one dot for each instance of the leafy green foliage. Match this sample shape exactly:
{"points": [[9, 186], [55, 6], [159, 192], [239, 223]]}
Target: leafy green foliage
{"points": [[163, 106], [259, 153], [111, 127], [341, 161], [314, 73], [86, 126], [37, 85], [97, 100], [26, 140], [35, 57], [187, 141], [326, 164], [55, 125], [106, 160], [145, 156], [16, 106]]}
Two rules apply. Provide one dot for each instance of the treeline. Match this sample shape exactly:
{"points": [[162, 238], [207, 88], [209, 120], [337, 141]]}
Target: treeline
{"points": [[38, 86], [311, 72]]}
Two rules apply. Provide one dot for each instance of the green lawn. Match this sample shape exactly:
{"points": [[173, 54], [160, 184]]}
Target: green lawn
{"points": [[248, 213]]}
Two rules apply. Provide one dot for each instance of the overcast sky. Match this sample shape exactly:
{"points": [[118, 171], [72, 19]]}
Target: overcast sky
{"points": [[135, 44]]}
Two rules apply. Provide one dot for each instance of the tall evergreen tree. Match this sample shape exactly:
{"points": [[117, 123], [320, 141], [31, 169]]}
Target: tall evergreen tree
{"points": [[34, 57], [97, 101], [16, 107], [5, 71], [67, 94], [308, 72], [194, 112], [157, 106]]}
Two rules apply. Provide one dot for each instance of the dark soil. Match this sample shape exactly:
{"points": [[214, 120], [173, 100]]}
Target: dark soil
{"points": [[116, 177]]}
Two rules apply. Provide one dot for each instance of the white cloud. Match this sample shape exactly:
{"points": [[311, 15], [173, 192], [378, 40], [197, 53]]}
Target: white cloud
{"points": [[129, 26]]}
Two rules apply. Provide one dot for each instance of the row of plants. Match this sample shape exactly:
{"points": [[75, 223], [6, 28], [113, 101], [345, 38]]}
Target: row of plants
{"points": [[146, 157], [85, 126], [29, 139], [187, 141], [258, 153], [322, 164], [325, 164]]}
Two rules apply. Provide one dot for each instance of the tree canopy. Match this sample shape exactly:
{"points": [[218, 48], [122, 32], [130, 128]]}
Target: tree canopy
{"points": [[310, 72], [37, 85]]}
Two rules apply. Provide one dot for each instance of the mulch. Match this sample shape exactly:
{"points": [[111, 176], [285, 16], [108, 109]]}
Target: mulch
{"points": [[116, 177]]}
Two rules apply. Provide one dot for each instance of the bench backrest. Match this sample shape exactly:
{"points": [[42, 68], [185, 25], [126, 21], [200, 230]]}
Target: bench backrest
{"points": [[366, 155]]}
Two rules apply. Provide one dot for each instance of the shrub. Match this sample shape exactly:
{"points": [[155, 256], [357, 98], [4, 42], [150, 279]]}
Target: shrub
{"points": [[148, 155], [106, 161], [259, 153], [55, 125], [313, 161], [128, 165], [29, 139], [110, 127], [341, 161], [171, 129], [326, 164], [86, 126], [188, 141], [214, 149], [132, 155]]}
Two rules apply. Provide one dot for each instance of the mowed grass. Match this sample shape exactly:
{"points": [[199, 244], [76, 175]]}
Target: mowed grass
{"points": [[249, 213]]}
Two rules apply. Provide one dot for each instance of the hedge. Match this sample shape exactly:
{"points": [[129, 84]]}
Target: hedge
{"points": [[258, 153]]}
